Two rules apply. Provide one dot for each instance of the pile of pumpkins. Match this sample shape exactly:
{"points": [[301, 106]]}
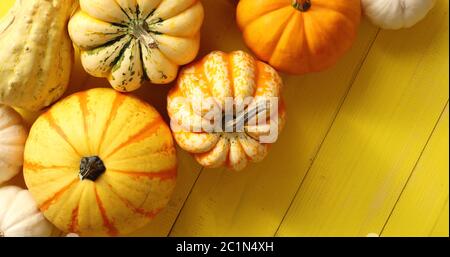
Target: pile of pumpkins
{"points": [[103, 162]]}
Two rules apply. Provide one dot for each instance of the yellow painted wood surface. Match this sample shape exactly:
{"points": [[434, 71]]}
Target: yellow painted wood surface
{"points": [[356, 156], [378, 135], [426, 194], [441, 227]]}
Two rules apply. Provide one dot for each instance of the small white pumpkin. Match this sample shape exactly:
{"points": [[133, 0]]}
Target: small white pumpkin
{"points": [[19, 215], [396, 14], [12, 141]]}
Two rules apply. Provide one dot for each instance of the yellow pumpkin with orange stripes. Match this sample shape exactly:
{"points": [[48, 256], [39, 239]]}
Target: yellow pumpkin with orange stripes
{"points": [[100, 163], [214, 103]]}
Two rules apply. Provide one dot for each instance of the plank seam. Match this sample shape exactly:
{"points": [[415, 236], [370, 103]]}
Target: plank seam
{"points": [[342, 102], [437, 220], [184, 202], [413, 170]]}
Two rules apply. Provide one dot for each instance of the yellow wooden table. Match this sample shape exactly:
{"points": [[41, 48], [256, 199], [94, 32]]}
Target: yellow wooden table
{"points": [[365, 149]]}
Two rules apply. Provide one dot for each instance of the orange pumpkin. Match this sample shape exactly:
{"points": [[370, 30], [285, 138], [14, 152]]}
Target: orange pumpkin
{"points": [[213, 81], [299, 36], [100, 163]]}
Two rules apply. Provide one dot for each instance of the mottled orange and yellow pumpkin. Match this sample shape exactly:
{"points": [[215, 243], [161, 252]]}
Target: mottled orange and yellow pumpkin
{"points": [[220, 77], [100, 163]]}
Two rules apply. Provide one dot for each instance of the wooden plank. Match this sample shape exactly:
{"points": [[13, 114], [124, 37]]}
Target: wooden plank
{"points": [[253, 202], [441, 227], [426, 193], [378, 136]]}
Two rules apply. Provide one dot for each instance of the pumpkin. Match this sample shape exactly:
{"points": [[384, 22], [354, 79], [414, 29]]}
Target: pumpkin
{"points": [[100, 163], [222, 77], [396, 14], [299, 36], [36, 53], [130, 41], [19, 215], [12, 141]]}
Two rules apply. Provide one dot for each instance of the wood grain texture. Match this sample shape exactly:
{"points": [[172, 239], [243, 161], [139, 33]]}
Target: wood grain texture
{"points": [[441, 227], [378, 136], [426, 193]]}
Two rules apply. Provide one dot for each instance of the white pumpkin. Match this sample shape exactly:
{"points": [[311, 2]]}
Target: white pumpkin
{"points": [[19, 215], [12, 141], [396, 14]]}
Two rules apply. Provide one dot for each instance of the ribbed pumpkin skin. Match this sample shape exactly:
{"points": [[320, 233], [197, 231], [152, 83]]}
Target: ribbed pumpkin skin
{"points": [[217, 76], [19, 215], [13, 135], [299, 42], [36, 53], [133, 142], [130, 41], [396, 14]]}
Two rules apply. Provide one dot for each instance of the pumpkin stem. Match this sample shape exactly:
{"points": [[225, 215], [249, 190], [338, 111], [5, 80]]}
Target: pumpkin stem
{"points": [[140, 31], [244, 117], [301, 5], [91, 168]]}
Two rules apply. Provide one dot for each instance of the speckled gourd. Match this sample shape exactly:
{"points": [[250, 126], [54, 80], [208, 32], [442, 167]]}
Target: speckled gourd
{"points": [[36, 56], [132, 41], [221, 77]]}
